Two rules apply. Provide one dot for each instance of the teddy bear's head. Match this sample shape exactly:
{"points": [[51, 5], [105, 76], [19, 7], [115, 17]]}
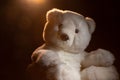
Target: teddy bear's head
{"points": [[68, 30]]}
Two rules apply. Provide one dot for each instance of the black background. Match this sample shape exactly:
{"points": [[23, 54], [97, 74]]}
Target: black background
{"points": [[21, 31]]}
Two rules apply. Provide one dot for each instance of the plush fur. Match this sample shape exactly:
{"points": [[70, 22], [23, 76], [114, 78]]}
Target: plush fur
{"points": [[62, 57]]}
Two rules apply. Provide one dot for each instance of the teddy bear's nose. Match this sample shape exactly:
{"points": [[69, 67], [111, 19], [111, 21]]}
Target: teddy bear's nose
{"points": [[64, 37]]}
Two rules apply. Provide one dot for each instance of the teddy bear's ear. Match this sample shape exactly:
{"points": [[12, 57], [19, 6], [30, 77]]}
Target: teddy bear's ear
{"points": [[54, 14], [91, 24]]}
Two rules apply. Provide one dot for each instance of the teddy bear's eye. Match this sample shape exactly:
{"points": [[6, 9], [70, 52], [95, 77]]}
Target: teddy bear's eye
{"points": [[76, 30], [60, 25]]}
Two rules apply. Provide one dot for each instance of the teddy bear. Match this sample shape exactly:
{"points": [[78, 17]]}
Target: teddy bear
{"points": [[63, 57]]}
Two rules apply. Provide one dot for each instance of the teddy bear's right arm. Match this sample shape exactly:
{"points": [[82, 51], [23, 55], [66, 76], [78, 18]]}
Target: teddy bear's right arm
{"points": [[45, 57], [44, 65], [99, 57]]}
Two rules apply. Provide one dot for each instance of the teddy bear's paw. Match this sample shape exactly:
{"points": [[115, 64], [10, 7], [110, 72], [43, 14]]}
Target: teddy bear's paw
{"points": [[89, 73], [36, 56], [45, 57], [99, 73], [104, 57], [50, 58]]}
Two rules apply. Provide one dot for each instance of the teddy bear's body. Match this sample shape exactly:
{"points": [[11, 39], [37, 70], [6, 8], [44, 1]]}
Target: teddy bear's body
{"points": [[65, 62], [62, 57]]}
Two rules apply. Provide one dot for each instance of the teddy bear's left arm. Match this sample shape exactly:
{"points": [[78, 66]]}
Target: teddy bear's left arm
{"points": [[99, 57]]}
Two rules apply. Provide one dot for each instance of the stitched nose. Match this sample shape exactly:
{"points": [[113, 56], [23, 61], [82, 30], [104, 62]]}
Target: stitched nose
{"points": [[64, 37]]}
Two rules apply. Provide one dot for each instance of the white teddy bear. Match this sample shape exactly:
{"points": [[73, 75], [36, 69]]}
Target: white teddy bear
{"points": [[63, 57]]}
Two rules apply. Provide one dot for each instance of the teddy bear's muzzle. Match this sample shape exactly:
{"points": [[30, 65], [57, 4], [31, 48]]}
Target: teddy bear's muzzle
{"points": [[64, 37]]}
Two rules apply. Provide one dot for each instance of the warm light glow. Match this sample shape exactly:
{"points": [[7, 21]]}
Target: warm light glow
{"points": [[36, 1], [29, 4], [33, 2]]}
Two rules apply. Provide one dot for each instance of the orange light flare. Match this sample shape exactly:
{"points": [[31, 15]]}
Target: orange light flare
{"points": [[36, 2], [33, 3]]}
